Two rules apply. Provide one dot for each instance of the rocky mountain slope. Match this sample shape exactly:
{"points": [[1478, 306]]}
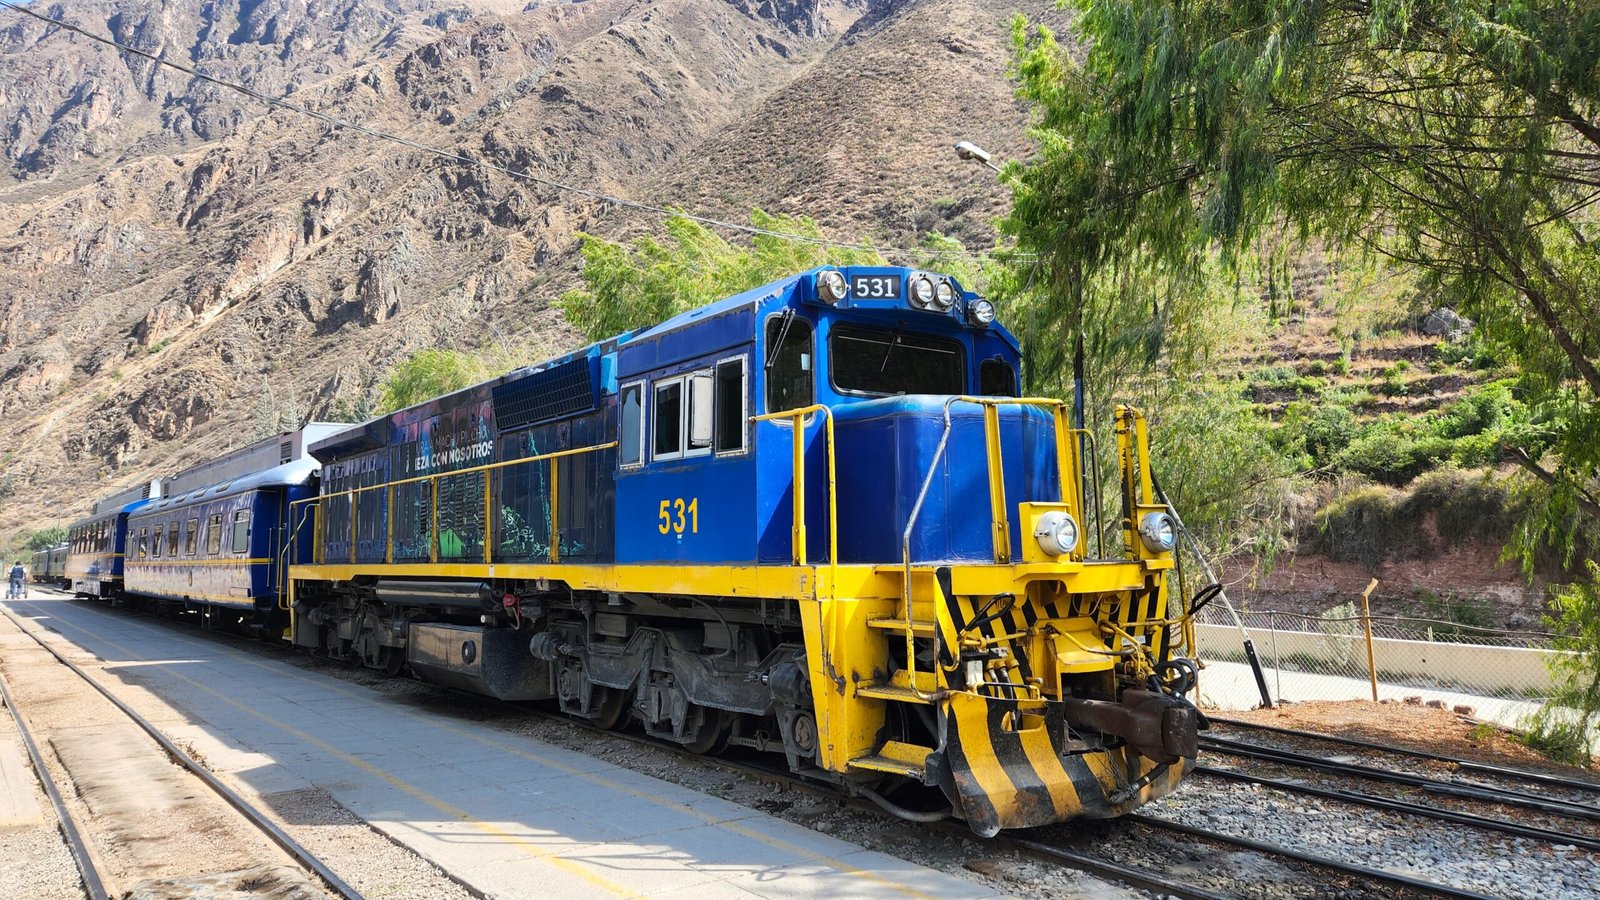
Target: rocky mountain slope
{"points": [[179, 264]]}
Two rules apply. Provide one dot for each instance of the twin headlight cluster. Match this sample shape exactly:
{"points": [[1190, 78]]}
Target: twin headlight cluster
{"points": [[930, 292], [1058, 535]]}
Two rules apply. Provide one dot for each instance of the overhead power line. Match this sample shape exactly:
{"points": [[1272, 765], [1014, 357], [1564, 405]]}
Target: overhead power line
{"points": [[454, 156]]}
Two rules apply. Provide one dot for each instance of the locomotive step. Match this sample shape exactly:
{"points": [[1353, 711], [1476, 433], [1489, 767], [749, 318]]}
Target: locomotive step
{"points": [[900, 689], [891, 623], [896, 758]]}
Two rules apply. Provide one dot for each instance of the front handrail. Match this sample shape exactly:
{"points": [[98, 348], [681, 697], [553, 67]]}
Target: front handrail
{"points": [[433, 526], [1067, 476], [797, 545]]}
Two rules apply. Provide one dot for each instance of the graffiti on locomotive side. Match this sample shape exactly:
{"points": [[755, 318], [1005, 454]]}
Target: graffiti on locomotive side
{"points": [[454, 456]]}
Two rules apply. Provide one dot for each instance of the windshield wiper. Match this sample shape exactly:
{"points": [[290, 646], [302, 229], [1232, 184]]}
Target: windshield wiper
{"points": [[783, 332], [892, 344]]}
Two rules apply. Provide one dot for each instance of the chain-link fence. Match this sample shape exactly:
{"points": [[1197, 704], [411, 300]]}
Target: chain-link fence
{"points": [[1500, 674]]}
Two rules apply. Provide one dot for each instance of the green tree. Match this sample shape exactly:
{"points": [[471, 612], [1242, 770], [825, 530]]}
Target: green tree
{"points": [[627, 287], [1564, 725], [1455, 137], [428, 374], [44, 538]]}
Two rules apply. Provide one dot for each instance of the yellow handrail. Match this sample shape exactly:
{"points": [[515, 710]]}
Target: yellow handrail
{"points": [[434, 479], [798, 535]]}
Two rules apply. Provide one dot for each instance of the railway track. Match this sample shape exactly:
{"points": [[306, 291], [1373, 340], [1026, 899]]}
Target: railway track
{"points": [[1053, 846], [94, 879], [1560, 782], [1471, 791]]}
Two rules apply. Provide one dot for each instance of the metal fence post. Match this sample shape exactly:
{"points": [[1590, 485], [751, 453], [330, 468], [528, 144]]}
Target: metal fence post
{"points": [[1366, 622]]}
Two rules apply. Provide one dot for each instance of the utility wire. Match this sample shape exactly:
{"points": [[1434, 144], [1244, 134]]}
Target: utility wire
{"points": [[453, 156]]}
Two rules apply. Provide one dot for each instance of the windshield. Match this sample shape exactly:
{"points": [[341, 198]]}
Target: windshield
{"points": [[884, 361]]}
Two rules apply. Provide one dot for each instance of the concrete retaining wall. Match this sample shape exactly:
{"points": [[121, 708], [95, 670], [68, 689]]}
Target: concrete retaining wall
{"points": [[1496, 670]]}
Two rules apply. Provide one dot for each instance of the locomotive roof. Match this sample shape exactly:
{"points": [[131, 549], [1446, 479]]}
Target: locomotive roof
{"points": [[374, 433]]}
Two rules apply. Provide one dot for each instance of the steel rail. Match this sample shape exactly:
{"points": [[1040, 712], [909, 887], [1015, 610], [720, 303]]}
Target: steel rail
{"points": [[1465, 764], [1587, 842], [236, 640], [1379, 875], [1105, 868], [1469, 790], [245, 808], [92, 885]]}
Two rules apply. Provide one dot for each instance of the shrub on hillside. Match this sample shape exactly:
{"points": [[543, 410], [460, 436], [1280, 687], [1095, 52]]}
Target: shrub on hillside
{"points": [[1372, 523], [1367, 525], [1479, 505], [1320, 431], [1396, 449]]}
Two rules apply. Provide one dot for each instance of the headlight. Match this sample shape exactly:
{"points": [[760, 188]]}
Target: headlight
{"points": [[922, 291], [1158, 532], [944, 294], [980, 312], [831, 286], [1057, 533]]}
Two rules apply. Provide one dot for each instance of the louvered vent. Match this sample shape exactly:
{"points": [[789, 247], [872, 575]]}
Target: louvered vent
{"points": [[558, 391]]}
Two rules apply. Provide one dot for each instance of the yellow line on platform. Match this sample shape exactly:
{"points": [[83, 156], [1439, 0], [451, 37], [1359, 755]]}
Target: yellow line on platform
{"points": [[442, 806], [592, 778]]}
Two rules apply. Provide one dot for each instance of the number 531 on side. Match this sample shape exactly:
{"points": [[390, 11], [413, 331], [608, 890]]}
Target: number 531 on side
{"points": [[678, 515]]}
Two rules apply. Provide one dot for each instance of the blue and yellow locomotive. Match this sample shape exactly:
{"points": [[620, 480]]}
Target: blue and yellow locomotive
{"points": [[813, 518]]}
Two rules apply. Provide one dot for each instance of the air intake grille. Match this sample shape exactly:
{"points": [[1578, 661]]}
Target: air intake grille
{"points": [[557, 391]]}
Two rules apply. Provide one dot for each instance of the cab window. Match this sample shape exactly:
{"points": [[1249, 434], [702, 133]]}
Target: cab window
{"points": [[883, 361], [682, 424], [731, 408], [788, 363], [996, 378]]}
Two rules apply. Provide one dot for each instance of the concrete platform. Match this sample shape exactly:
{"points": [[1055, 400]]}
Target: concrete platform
{"points": [[510, 815]]}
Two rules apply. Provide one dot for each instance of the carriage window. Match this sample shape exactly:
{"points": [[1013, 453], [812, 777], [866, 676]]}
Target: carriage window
{"points": [[214, 535], [241, 531], [668, 419], [144, 542], [730, 402], [996, 379], [191, 537], [172, 539], [879, 361], [632, 448], [700, 418], [155, 543], [788, 363]]}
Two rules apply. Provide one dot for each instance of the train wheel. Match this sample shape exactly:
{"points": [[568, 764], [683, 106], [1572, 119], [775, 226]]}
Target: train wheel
{"points": [[394, 661], [713, 735], [611, 713]]}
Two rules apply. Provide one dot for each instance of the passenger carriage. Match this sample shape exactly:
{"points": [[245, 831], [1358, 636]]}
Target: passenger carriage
{"points": [[217, 540], [814, 518], [96, 545]]}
